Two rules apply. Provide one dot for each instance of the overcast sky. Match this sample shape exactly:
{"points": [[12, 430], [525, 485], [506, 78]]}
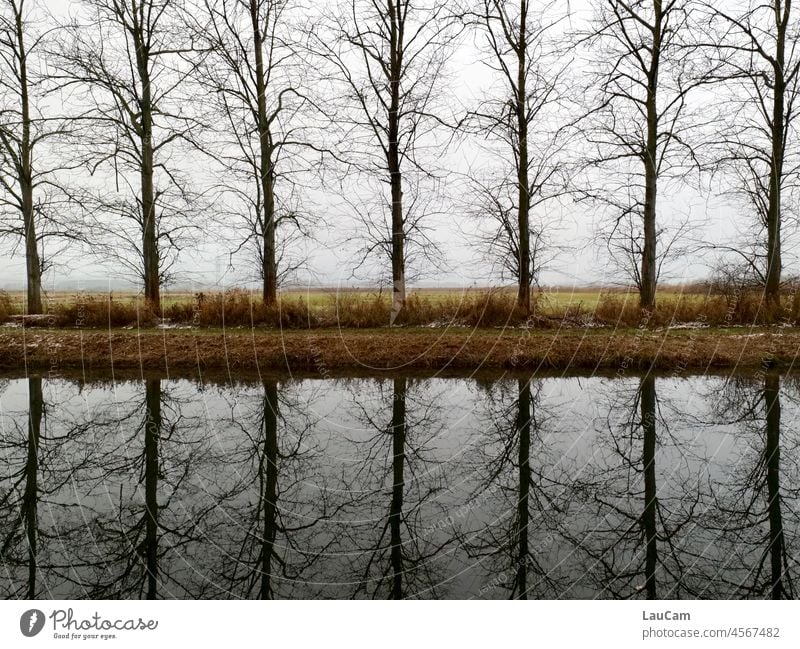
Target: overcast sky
{"points": [[581, 258]]}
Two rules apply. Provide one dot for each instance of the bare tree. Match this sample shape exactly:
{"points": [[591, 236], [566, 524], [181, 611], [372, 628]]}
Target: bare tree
{"points": [[641, 77], [257, 77], [389, 57], [15, 137], [625, 244], [32, 205], [125, 63], [753, 48], [517, 124]]}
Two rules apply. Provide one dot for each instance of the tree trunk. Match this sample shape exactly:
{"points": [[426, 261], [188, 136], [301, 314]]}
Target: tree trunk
{"points": [[398, 484], [152, 281], [398, 247], [30, 497], [152, 433], [150, 252], [524, 262], [269, 270], [773, 278], [25, 172], [32, 261], [523, 512], [393, 164], [647, 290], [777, 547], [269, 484], [647, 396]]}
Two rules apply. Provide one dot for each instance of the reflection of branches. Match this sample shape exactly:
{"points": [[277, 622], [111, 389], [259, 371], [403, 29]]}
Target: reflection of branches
{"points": [[136, 537], [43, 450], [631, 532], [30, 495], [749, 499], [396, 552], [518, 542], [282, 536], [138, 504]]}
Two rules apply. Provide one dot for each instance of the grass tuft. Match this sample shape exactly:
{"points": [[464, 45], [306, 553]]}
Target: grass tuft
{"points": [[100, 312], [6, 308]]}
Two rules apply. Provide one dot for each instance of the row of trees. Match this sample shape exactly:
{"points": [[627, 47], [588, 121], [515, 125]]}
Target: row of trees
{"points": [[128, 125]]}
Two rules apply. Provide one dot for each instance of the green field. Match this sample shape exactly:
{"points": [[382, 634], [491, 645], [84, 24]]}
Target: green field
{"points": [[551, 299], [436, 307]]}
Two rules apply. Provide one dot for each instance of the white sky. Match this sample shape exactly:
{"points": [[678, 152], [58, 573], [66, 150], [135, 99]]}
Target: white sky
{"points": [[583, 261]]}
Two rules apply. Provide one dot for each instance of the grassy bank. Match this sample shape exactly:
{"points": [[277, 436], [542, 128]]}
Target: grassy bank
{"points": [[361, 309], [324, 351]]}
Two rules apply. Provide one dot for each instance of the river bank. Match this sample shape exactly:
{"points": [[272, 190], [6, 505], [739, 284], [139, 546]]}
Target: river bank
{"points": [[325, 352]]}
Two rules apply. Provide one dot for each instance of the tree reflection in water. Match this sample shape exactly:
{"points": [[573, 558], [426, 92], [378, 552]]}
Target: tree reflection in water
{"points": [[754, 507], [279, 504], [398, 525], [517, 487], [513, 468], [36, 465], [634, 482]]}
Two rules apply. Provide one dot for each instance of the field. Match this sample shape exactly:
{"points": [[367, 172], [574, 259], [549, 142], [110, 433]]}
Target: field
{"points": [[557, 295], [553, 307]]}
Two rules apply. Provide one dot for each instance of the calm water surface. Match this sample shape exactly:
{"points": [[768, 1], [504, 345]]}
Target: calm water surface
{"points": [[401, 488]]}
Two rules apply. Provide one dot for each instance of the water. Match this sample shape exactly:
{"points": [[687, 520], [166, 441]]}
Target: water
{"points": [[400, 488]]}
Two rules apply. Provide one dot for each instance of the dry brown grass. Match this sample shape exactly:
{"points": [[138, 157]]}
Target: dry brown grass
{"points": [[474, 309], [361, 310], [489, 309], [6, 308], [96, 312], [237, 308], [713, 310], [348, 310]]}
